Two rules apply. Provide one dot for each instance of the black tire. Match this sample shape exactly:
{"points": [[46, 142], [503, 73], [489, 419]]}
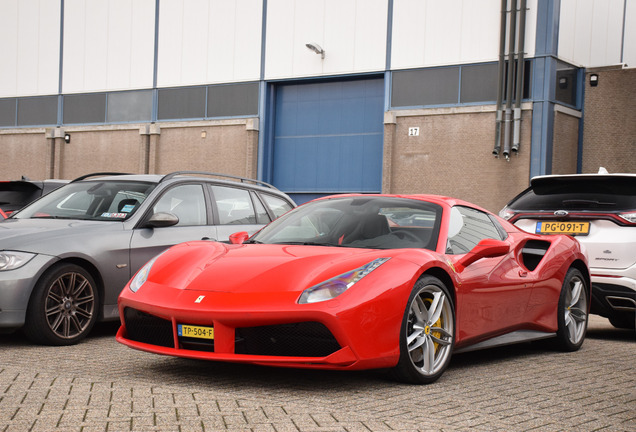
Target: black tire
{"points": [[63, 306], [427, 335], [572, 311]]}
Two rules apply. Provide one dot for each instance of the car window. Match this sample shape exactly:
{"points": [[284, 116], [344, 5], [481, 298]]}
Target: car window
{"points": [[360, 222], [187, 202], [602, 193], [261, 213], [104, 200], [234, 205], [467, 228], [277, 205]]}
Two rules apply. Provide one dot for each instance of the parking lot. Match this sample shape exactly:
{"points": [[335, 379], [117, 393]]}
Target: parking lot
{"points": [[101, 385]]}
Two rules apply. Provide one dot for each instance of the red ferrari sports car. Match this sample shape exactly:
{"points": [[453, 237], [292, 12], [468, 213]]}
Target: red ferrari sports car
{"points": [[358, 282]]}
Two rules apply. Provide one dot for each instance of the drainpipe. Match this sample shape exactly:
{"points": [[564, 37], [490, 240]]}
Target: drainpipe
{"points": [[500, 78], [520, 72], [510, 81]]}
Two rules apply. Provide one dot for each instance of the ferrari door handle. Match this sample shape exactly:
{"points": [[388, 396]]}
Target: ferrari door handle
{"points": [[523, 273]]}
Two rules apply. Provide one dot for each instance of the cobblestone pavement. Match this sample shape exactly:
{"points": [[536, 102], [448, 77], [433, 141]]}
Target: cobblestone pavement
{"points": [[101, 385]]}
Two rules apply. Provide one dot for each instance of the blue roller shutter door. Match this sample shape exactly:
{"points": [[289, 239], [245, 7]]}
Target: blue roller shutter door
{"points": [[328, 138]]}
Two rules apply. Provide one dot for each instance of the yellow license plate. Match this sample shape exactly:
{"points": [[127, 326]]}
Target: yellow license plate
{"points": [[198, 332], [571, 228]]}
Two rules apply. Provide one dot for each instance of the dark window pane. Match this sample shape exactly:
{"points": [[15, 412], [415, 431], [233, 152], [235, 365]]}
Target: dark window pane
{"points": [[7, 112], [181, 103], [418, 87], [130, 106], [233, 100], [467, 228], [86, 108], [37, 111], [479, 83], [566, 84]]}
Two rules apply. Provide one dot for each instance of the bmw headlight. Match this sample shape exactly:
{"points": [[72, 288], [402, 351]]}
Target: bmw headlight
{"points": [[11, 260], [335, 286], [142, 275]]}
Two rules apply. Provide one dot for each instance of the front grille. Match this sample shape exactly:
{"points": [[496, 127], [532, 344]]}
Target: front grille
{"points": [[306, 339], [146, 328]]}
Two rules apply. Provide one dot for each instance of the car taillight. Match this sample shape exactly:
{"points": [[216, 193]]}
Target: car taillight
{"points": [[506, 213], [629, 217]]}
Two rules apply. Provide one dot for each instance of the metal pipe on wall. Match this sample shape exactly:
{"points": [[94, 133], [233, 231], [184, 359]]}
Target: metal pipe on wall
{"points": [[510, 79], [516, 140], [500, 78]]}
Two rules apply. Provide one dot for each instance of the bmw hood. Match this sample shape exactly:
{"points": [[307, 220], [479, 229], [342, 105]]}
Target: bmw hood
{"points": [[48, 235], [218, 267]]}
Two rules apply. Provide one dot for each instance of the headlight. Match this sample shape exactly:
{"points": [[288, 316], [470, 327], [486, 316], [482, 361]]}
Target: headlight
{"points": [[142, 275], [335, 286], [11, 260]]}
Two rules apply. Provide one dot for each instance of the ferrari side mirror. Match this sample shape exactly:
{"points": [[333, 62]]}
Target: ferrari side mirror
{"points": [[239, 237], [486, 248]]}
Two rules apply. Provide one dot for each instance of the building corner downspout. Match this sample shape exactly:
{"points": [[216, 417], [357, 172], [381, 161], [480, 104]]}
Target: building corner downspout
{"points": [[500, 78], [516, 140]]}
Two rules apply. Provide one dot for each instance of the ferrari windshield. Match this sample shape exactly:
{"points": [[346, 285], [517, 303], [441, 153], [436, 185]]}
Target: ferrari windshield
{"points": [[372, 222], [102, 200]]}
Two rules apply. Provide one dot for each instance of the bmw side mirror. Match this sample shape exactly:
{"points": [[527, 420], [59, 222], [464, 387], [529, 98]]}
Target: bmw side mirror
{"points": [[161, 220]]}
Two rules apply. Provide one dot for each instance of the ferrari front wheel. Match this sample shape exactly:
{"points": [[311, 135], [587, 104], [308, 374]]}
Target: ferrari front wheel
{"points": [[427, 335], [572, 311]]}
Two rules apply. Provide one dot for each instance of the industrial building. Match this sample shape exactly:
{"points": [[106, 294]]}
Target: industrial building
{"points": [[467, 98]]}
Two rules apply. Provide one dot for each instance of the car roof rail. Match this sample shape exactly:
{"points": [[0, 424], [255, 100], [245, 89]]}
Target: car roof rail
{"points": [[85, 176], [233, 177]]}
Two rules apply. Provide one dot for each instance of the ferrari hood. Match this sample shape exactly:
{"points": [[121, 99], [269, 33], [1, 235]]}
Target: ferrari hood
{"points": [[218, 267]]}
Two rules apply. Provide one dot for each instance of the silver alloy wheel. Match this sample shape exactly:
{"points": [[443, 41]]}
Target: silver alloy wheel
{"points": [[575, 311], [69, 305], [429, 330]]}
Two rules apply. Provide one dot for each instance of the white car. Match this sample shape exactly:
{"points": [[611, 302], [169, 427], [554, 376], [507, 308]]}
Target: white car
{"points": [[599, 210]]}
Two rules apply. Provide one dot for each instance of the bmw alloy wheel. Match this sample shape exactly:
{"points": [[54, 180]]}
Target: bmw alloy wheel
{"points": [[63, 306]]}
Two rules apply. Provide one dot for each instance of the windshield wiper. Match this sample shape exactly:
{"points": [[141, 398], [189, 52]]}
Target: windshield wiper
{"points": [[309, 243], [589, 203]]}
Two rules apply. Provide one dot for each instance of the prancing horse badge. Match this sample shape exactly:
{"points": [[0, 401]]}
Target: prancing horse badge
{"points": [[199, 299]]}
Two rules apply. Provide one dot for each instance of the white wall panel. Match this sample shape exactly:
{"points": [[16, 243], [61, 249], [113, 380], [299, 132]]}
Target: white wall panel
{"points": [[108, 45], [433, 32], [629, 46], [29, 46], [209, 41], [352, 33], [591, 31]]}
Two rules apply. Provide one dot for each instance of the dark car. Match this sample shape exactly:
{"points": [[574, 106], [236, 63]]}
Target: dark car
{"points": [[65, 258], [600, 211], [15, 194]]}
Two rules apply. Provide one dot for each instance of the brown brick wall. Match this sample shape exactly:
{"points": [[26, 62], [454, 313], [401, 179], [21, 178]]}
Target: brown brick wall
{"points": [[453, 156], [228, 147], [609, 138], [565, 145]]}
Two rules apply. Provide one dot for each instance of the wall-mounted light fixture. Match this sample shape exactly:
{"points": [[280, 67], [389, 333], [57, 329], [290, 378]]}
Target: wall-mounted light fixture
{"points": [[67, 138], [316, 48], [593, 80]]}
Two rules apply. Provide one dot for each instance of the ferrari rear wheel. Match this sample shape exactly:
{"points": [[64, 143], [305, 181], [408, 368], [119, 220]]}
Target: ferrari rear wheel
{"points": [[573, 311], [427, 336], [63, 306]]}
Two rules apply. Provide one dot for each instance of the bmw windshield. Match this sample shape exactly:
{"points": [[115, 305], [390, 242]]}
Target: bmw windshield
{"points": [[98, 200]]}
